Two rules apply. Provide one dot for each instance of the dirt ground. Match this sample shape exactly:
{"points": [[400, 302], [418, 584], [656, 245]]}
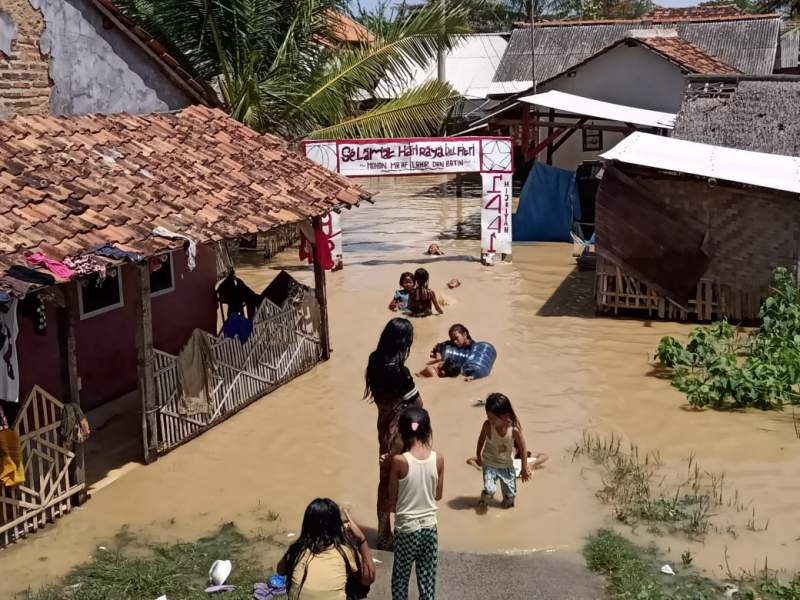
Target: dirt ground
{"points": [[566, 371]]}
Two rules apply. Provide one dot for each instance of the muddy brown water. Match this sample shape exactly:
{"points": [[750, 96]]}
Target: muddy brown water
{"points": [[565, 370]]}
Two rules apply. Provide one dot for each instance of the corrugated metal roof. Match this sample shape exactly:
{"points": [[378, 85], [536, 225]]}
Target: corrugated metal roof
{"points": [[602, 110], [769, 171], [749, 45], [790, 47], [469, 68]]}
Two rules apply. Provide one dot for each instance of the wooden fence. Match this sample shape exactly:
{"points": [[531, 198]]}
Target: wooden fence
{"points": [[49, 488], [282, 346], [617, 290]]}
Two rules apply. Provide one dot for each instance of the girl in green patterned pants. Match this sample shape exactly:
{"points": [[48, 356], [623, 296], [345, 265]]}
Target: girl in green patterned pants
{"points": [[416, 478]]}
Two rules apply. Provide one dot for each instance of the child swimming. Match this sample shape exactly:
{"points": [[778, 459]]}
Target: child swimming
{"points": [[500, 435], [422, 300], [438, 365], [400, 300]]}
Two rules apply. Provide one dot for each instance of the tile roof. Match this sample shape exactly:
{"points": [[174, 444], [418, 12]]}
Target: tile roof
{"points": [[694, 12], [345, 29], [171, 67], [686, 55], [69, 184]]}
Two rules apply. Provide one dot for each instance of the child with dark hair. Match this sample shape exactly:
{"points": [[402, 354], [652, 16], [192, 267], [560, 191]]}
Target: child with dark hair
{"points": [[444, 362], [422, 300], [400, 300], [327, 555], [500, 438], [416, 480]]}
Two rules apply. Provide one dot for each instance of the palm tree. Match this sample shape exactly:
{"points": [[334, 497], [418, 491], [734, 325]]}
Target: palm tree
{"points": [[277, 70]]}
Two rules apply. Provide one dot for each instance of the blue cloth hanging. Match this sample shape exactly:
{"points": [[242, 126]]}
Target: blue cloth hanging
{"points": [[549, 204]]}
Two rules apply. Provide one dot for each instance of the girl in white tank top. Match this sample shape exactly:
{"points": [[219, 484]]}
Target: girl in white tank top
{"points": [[415, 484]]}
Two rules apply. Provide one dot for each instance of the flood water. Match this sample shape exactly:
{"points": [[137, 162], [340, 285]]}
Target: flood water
{"points": [[565, 370]]}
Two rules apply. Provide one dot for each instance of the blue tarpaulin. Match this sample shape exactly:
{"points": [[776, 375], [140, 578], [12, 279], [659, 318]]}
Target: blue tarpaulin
{"points": [[548, 205]]}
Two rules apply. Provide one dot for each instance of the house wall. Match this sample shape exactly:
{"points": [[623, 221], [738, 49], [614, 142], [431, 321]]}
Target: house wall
{"points": [[66, 60], [24, 76], [627, 75], [106, 342]]}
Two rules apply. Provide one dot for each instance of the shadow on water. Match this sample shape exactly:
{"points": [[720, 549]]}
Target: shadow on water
{"points": [[573, 298]]}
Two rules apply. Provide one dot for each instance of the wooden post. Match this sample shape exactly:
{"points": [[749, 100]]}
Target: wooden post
{"points": [[143, 314], [321, 293], [67, 320], [550, 150], [525, 136]]}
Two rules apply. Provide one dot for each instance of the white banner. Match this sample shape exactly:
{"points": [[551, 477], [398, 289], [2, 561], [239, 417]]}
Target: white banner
{"points": [[401, 157], [496, 213]]}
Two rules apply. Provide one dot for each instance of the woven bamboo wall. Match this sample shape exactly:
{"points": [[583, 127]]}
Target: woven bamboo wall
{"points": [[749, 232]]}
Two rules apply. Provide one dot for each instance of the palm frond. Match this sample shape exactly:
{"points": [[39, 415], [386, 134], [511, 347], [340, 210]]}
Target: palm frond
{"points": [[417, 113], [412, 41]]}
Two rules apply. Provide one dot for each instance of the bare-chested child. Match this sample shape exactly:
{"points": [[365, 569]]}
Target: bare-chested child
{"points": [[438, 366]]}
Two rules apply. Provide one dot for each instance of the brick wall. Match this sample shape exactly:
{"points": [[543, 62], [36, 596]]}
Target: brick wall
{"points": [[24, 73]]}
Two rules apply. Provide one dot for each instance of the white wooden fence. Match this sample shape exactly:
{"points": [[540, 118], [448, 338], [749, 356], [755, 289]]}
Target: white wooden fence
{"points": [[49, 488], [281, 347]]}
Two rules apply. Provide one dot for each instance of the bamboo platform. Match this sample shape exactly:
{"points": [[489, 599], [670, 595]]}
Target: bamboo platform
{"points": [[616, 290]]}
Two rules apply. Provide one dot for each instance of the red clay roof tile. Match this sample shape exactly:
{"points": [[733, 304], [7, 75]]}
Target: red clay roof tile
{"points": [[112, 178]]}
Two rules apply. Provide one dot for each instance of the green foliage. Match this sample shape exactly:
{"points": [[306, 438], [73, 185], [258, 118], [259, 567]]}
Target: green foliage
{"points": [[722, 367], [278, 70], [633, 572], [180, 571], [634, 486]]}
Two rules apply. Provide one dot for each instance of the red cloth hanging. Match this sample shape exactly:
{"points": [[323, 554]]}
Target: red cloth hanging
{"points": [[323, 247], [319, 251]]}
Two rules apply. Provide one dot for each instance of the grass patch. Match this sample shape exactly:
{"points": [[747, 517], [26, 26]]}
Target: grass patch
{"points": [[633, 485], [127, 570], [634, 573]]}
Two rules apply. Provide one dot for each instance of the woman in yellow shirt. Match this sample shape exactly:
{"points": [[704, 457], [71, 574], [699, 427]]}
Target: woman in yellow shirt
{"points": [[329, 553]]}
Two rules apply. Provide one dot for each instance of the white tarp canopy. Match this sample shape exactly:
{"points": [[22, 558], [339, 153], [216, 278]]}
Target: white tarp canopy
{"points": [[772, 171], [602, 110]]}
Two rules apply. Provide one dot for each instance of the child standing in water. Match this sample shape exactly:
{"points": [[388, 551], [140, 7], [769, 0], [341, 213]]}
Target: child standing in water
{"points": [[400, 300], [415, 484], [422, 300], [500, 437]]}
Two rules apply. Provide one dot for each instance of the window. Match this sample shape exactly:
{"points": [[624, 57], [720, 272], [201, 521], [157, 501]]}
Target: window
{"points": [[592, 140], [97, 299], [162, 281]]}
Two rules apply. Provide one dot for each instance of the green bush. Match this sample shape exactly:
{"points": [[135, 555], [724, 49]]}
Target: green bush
{"points": [[722, 367]]}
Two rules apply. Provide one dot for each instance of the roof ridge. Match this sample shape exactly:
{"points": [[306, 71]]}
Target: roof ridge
{"points": [[641, 20]]}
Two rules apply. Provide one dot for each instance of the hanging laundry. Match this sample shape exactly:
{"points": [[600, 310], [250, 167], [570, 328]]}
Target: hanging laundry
{"points": [[9, 368], [237, 326], [30, 275], [33, 307], [195, 368], [74, 424], [12, 469], [111, 251], [191, 245], [315, 246], [14, 288], [87, 264], [3, 420], [56, 267], [236, 294]]}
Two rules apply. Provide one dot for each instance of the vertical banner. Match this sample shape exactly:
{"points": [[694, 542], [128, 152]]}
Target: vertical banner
{"points": [[496, 215], [324, 154], [331, 224]]}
